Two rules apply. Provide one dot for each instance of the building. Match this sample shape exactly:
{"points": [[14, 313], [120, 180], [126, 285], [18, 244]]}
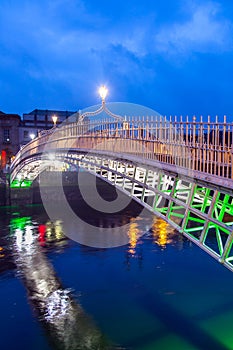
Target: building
{"points": [[40, 119], [16, 132], [9, 137]]}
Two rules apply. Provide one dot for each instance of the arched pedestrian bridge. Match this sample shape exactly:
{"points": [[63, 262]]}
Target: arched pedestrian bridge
{"points": [[182, 170]]}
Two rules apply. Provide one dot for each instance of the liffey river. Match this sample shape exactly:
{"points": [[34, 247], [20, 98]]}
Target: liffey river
{"points": [[159, 291]]}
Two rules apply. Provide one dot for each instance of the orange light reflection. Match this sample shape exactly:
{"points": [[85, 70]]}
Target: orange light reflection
{"points": [[133, 236], [162, 232]]}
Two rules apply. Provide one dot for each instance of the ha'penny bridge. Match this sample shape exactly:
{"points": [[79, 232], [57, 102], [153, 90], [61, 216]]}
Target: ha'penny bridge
{"points": [[181, 169]]}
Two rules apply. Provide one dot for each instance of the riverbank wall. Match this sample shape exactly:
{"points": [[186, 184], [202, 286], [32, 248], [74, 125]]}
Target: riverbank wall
{"points": [[48, 183], [3, 194]]}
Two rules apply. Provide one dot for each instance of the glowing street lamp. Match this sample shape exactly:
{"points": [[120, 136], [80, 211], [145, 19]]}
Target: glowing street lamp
{"points": [[32, 136], [103, 91], [54, 118]]}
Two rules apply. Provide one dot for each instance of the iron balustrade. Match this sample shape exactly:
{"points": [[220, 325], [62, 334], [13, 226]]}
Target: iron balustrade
{"points": [[205, 146]]}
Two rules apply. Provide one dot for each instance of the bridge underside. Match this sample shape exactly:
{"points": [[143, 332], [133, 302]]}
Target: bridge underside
{"points": [[201, 211]]}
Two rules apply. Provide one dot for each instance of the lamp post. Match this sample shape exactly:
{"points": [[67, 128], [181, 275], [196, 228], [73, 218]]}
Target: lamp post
{"points": [[54, 118], [103, 91], [32, 136]]}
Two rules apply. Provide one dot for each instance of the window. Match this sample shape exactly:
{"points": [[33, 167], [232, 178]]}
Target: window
{"points": [[27, 117], [29, 123], [26, 134], [41, 117], [6, 135]]}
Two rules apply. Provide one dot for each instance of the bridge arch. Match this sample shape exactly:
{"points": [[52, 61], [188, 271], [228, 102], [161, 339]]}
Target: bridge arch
{"points": [[176, 175]]}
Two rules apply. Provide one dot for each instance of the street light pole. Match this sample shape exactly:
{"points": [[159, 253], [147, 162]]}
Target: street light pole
{"points": [[54, 118], [32, 136]]}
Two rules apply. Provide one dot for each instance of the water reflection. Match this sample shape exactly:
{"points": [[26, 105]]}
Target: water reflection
{"points": [[163, 233], [2, 255], [133, 234], [54, 231], [65, 321]]}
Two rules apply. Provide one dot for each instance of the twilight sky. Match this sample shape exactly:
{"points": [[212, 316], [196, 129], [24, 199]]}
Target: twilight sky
{"points": [[174, 56]]}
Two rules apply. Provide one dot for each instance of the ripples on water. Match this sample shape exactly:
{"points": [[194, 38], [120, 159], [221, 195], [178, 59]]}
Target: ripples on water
{"points": [[157, 292]]}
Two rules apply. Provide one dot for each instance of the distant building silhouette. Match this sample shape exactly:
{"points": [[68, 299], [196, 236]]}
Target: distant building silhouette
{"points": [[40, 119], [16, 132], [9, 136]]}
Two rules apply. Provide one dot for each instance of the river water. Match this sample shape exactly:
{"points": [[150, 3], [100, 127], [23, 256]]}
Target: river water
{"points": [[159, 291]]}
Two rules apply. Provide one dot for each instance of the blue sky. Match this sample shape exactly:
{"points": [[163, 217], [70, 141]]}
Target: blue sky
{"points": [[174, 56]]}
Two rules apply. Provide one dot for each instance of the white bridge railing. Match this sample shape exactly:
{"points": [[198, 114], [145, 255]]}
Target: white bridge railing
{"points": [[201, 145]]}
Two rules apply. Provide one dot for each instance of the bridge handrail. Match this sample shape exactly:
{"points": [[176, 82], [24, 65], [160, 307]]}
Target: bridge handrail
{"points": [[200, 145]]}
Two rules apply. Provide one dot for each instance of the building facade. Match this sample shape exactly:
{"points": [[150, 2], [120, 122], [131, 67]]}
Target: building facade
{"points": [[16, 132], [9, 137], [40, 119]]}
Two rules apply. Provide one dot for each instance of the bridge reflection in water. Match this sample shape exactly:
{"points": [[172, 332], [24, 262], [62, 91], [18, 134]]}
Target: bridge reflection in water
{"points": [[65, 321], [158, 300]]}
